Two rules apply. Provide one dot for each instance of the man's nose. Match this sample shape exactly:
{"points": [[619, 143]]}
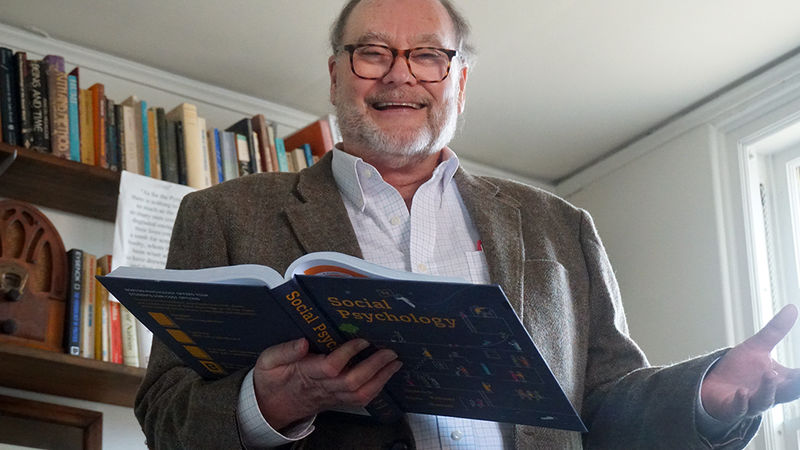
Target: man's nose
{"points": [[400, 72]]}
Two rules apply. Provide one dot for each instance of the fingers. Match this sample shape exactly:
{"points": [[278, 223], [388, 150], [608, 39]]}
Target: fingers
{"points": [[332, 365], [369, 390], [364, 371], [764, 397], [282, 354], [772, 333]]}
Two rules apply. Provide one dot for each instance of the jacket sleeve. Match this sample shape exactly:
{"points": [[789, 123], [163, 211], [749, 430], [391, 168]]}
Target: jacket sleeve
{"points": [[629, 404], [175, 407]]}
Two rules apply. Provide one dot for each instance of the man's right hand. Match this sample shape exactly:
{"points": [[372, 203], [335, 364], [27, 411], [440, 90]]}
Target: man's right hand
{"points": [[292, 384]]}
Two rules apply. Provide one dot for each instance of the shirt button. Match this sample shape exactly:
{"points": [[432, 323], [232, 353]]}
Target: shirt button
{"points": [[395, 220], [456, 435], [422, 267], [367, 173]]}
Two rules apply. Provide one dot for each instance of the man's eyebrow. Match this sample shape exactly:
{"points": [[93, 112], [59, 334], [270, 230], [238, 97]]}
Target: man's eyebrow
{"points": [[428, 39]]}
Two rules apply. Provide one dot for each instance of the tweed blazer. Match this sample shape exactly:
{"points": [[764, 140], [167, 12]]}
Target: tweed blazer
{"points": [[545, 254]]}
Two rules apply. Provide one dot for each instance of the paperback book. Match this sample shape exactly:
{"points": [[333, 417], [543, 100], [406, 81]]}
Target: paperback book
{"points": [[465, 352]]}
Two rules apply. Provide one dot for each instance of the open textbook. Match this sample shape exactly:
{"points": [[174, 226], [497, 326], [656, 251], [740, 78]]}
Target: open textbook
{"points": [[464, 351]]}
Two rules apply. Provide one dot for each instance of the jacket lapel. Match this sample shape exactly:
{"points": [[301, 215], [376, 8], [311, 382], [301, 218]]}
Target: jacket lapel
{"points": [[499, 225], [319, 219]]}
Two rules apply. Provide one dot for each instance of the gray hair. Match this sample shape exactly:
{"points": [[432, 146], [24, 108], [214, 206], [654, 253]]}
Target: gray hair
{"points": [[460, 24]]}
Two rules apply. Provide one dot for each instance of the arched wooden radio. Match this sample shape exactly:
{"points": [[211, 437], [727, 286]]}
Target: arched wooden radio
{"points": [[33, 278]]}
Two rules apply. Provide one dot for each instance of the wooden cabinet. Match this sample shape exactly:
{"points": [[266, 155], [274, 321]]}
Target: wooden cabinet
{"points": [[89, 191]]}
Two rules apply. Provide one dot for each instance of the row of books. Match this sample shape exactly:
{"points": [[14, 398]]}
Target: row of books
{"points": [[97, 327], [45, 109]]}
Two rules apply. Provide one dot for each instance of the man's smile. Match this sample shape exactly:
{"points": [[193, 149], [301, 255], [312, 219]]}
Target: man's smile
{"points": [[383, 106]]}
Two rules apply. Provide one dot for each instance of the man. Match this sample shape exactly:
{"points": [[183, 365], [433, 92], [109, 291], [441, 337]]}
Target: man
{"points": [[394, 194]]}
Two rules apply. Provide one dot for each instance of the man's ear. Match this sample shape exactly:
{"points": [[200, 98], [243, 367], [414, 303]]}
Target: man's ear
{"points": [[332, 73], [462, 88]]}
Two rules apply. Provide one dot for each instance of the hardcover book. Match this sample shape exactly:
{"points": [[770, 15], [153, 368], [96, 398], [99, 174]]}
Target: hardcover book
{"points": [[465, 352]]}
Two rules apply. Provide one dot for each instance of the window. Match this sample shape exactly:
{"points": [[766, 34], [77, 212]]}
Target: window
{"points": [[773, 188]]}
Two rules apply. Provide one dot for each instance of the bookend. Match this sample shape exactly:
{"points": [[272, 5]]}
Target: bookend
{"points": [[33, 278]]}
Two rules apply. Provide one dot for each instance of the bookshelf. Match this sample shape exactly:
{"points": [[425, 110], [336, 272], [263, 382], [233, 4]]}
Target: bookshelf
{"points": [[68, 376], [70, 186]]}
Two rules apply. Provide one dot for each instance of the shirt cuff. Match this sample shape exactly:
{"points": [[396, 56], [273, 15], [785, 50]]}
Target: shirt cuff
{"points": [[254, 429], [716, 433]]}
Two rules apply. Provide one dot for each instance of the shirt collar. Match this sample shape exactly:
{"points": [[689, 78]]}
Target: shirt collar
{"points": [[352, 173]]}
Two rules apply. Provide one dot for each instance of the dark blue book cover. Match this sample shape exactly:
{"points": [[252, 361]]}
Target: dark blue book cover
{"points": [[72, 325], [464, 351]]}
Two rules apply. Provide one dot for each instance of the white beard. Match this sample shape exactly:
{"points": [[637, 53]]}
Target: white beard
{"points": [[398, 148]]}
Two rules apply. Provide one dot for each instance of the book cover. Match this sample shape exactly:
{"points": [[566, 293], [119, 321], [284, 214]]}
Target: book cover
{"points": [[57, 90], [72, 327], [317, 134], [74, 118], [266, 148], [25, 131], [40, 115], [195, 159], [308, 154], [248, 163], [465, 352], [230, 162], [9, 98]]}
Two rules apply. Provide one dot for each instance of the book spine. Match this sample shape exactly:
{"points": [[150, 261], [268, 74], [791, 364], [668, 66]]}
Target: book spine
{"points": [[72, 327], [180, 151], [112, 136], [323, 337], [130, 348], [74, 119], [145, 138], [9, 110], [243, 155], [100, 319], [59, 112], [99, 125], [115, 332], [230, 163], [87, 126], [259, 124], [155, 150], [88, 306], [308, 155], [130, 140], [25, 131], [273, 151], [166, 147], [120, 115], [218, 156], [144, 340], [40, 126], [280, 150], [201, 127]]}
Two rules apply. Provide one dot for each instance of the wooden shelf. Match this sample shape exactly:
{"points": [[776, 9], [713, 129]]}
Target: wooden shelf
{"points": [[68, 376], [58, 183]]}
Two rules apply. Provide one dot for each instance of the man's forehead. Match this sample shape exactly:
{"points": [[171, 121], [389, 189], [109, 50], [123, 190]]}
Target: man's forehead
{"points": [[387, 21]]}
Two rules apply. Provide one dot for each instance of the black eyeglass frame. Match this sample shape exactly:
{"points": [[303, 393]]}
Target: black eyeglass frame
{"points": [[351, 48]]}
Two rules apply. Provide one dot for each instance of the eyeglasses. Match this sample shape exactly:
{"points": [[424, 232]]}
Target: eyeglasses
{"points": [[426, 64]]}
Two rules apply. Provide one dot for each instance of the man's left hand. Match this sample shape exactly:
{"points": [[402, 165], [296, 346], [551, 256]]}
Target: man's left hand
{"points": [[747, 381]]}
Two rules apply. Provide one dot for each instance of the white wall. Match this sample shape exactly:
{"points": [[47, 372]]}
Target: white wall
{"points": [[656, 218]]}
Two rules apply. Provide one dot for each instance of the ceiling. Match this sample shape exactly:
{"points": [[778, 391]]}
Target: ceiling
{"points": [[558, 84]]}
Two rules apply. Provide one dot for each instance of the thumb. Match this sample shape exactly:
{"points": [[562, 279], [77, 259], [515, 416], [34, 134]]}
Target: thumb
{"points": [[283, 354], [775, 330]]}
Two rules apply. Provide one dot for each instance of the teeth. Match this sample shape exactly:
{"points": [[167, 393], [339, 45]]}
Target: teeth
{"points": [[384, 105]]}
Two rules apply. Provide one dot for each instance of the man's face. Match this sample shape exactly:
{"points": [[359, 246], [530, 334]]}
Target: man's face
{"points": [[396, 121]]}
